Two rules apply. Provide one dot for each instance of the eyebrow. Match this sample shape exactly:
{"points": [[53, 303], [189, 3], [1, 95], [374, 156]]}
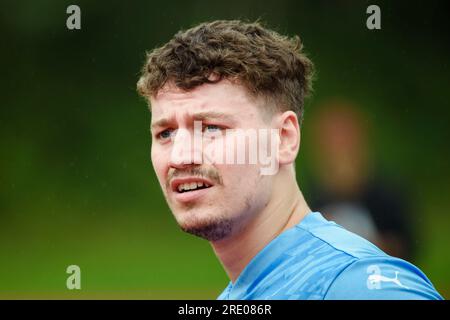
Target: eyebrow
{"points": [[201, 116]]}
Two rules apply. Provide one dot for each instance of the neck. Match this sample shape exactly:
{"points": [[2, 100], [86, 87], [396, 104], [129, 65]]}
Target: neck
{"points": [[285, 209]]}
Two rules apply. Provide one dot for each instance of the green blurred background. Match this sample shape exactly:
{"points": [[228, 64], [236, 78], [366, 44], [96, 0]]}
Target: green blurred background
{"points": [[76, 182]]}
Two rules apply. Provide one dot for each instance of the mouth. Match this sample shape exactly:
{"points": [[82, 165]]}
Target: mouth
{"points": [[190, 188]]}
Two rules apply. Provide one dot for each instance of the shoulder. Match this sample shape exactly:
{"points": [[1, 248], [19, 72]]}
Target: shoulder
{"points": [[317, 253], [360, 270], [337, 239], [381, 278]]}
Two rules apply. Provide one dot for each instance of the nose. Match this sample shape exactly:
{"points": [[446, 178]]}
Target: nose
{"points": [[186, 149]]}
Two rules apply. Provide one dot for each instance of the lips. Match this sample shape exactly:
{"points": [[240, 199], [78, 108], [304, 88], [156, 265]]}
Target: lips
{"points": [[190, 188]]}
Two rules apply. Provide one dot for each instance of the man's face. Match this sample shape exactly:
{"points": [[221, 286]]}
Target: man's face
{"points": [[211, 200]]}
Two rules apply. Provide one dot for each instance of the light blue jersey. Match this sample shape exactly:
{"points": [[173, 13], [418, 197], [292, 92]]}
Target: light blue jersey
{"points": [[318, 259]]}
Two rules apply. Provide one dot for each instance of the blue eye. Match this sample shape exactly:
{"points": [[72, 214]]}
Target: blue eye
{"points": [[211, 128], [165, 134]]}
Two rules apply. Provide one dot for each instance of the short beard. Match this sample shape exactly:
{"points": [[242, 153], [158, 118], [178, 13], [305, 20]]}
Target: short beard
{"points": [[213, 229]]}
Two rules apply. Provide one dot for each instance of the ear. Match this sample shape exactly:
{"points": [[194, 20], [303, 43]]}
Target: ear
{"points": [[289, 131]]}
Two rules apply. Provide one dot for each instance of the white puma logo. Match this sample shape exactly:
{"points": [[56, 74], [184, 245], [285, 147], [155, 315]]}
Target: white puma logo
{"points": [[374, 280]]}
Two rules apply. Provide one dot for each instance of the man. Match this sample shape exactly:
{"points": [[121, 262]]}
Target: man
{"points": [[225, 81]]}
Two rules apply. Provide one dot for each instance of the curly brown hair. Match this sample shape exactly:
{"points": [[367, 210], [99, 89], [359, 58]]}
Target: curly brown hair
{"points": [[266, 63]]}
